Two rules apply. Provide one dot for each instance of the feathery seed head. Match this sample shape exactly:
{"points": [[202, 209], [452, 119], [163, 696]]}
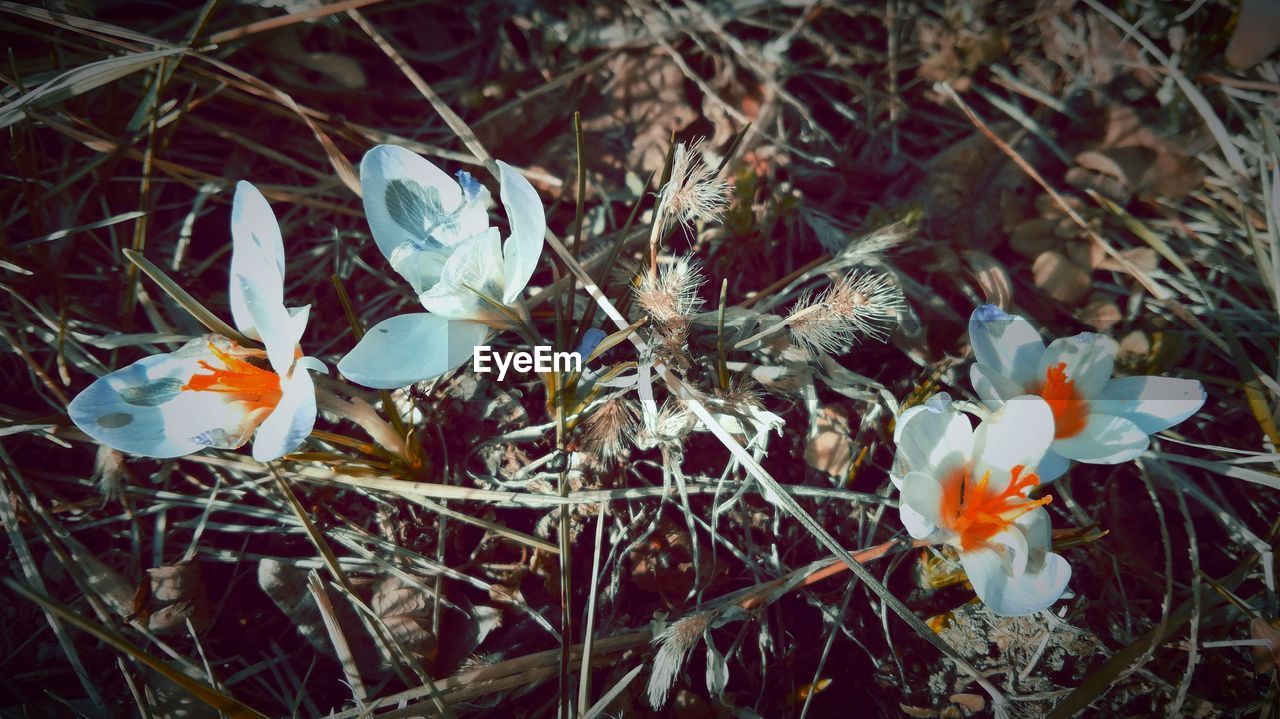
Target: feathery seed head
{"points": [[856, 304], [693, 194]]}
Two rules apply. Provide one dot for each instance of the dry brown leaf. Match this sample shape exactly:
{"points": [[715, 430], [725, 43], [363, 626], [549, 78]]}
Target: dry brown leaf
{"points": [[1144, 258], [1086, 253], [1101, 313], [972, 194], [971, 702], [1034, 236], [831, 447], [1114, 189], [177, 594], [1146, 162], [1060, 278], [406, 610], [647, 96], [1265, 658]]}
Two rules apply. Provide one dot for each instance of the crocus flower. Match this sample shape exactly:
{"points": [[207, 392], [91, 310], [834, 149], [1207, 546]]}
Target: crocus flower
{"points": [[212, 392], [435, 232], [1097, 419], [968, 489]]}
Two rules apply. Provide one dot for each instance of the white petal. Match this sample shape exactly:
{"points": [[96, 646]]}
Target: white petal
{"points": [[923, 494], [932, 438], [413, 207], [402, 350], [528, 226], [1007, 344], [1019, 434], [1012, 545], [290, 422], [1152, 403], [1089, 359], [1015, 596], [1104, 440], [1037, 529], [475, 266], [257, 254], [915, 523], [281, 329], [1051, 466], [311, 363], [137, 425]]}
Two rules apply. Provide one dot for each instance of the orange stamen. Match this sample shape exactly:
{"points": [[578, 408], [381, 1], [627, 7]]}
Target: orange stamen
{"points": [[1070, 412], [241, 380], [973, 514]]}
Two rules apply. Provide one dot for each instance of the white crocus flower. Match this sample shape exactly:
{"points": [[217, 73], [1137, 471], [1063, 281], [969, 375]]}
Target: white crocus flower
{"points": [[212, 392], [435, 232], [1097, 419], [968, 489]]}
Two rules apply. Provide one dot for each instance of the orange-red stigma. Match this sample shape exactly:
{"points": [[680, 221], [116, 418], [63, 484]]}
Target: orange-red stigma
{"points": [[976, 516], [1070, 412], [243, 381]]}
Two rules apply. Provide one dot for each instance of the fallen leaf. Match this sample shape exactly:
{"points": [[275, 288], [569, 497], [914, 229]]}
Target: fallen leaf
{"points": [[406, 610], [830, 449], [1100, 313], [1060, 278], [971, 194], [1265, 658], [177, 594], [1144, 258], [971, 702], [1033, 236]]}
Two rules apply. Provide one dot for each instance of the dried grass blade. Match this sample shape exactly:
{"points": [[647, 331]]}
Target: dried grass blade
{"points": [[322, 546], [340, 645], [80, 80], [276, 23], [597, 709], [183, 298], [222, 702], [1097, 683]]}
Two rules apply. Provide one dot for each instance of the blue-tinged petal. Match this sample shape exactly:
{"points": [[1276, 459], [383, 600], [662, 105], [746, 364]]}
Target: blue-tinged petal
{"points": [[1088, 358], [122, 409], [149, 409], [475, 266], [528, 227], [411, 348], [1104, 440], [1014, 595], [993, 388], [416, 212], [590, 340], [1007, 344], [1052, 465], [290, 422], [1152, 403], [257, 254]]}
